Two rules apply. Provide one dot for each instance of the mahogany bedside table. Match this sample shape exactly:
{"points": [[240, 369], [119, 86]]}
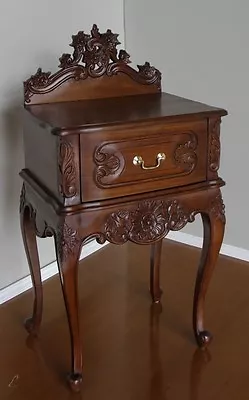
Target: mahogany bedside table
{"points": [[109, 156]]}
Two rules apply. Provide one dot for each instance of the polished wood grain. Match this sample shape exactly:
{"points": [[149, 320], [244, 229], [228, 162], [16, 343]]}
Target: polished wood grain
{"points": [[133, 351], [62, 117], [125, 164]]}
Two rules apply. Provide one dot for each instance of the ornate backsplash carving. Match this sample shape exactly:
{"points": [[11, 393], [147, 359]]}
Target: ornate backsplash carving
{"points": [[94, 55]]}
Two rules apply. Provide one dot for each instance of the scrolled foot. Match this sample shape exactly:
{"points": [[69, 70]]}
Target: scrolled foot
{"points": [[30, 327], [203, 338], [75, 382]]}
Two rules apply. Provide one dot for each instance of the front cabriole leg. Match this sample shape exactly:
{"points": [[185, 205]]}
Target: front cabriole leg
{"points": [[155, 261], [28, 229], [214, 224], [68, 246]]}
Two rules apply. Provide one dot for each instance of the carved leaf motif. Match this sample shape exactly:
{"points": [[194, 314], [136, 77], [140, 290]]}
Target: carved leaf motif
{"points": [[217, 208], [107, 164], [214, 154], [185, 154], [149, 221], [94, 55], [124, 56], [39, 81], [147, 71], [68, 241], [67, 170], [118, 227], [178, 217]]}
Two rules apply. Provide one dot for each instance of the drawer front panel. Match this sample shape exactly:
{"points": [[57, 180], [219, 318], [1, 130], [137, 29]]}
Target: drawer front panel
{"points": [[121, 162]]}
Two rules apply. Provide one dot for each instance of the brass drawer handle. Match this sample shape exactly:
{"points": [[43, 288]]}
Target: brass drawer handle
{"points": [[138, 160]]}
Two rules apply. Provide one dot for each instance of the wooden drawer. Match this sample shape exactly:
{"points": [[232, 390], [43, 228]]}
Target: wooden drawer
{"points": [[127, 160]]}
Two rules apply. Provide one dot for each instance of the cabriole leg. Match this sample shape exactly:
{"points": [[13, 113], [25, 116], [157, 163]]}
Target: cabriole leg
{"points": [[27, 222], [214, 225], [155, 260], [68, 246]]}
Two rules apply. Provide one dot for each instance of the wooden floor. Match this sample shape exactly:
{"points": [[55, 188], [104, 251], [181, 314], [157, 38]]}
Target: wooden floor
{"points": [[133, 351]]}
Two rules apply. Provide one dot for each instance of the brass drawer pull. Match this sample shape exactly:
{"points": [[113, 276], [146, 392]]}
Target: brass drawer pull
{"points": [[138, 160]]}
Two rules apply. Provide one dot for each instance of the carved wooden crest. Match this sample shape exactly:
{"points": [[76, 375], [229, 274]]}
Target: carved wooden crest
{"points": [[94, 55]]}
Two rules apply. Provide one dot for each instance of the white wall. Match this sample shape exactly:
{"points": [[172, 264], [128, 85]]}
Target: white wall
{"points": [[33, 34], [201, 47]]}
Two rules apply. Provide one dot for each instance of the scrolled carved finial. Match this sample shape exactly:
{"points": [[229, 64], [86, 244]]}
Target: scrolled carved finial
{"points": [[124, 57], [40, 79], [147, 70], [95, 31]]}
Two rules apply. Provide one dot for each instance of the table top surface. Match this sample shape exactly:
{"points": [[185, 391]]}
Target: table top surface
{"points": [[111, 111]]}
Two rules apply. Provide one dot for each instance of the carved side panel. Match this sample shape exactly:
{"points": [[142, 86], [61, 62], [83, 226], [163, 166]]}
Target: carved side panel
{"points": [[185, 154], [68, 165], [149, 221], [214, 148]]}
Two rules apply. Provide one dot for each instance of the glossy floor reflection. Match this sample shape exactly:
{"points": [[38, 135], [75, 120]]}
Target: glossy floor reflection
{"points": [[132, 350]]}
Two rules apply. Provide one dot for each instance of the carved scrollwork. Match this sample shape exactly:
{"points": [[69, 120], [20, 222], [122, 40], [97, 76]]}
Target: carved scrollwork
{"points": [[99, 237], [42, 228], [147, 71], [217, 208], [67, 170], [94, 55], [108, 163], [149, 221], [214, 151], [39, 80], [178, 217], [185, 155], [22, 199], [68, 241]]}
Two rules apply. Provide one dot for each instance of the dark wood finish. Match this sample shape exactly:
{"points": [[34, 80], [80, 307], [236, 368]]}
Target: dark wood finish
{"points": [[155, 262], [68, 248], [64, 118], [27, 220], [94, 56], [107, 158], [214, 224], [132, 351], [125, 164]]}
